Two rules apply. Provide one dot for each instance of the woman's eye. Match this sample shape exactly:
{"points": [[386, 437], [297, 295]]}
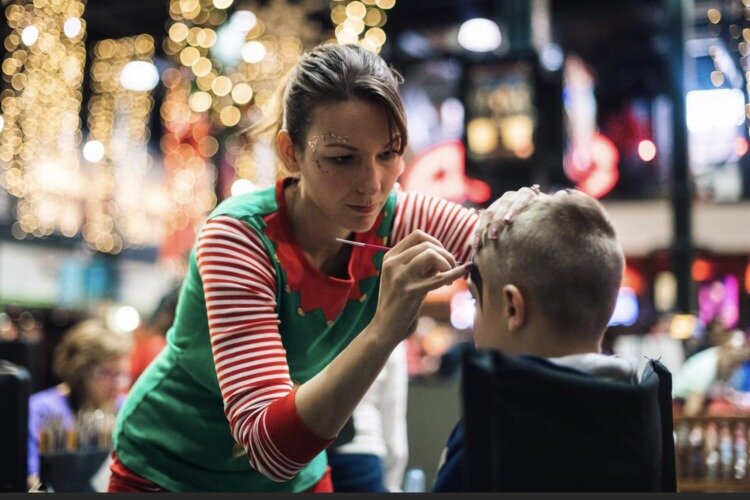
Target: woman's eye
{"points": [[341, 160], [388, 155]]}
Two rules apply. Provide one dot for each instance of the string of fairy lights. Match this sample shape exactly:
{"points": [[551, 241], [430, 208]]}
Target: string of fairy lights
{"points": [[104, 187], [117, 211], [734, 16], [41, 135], [361, 21], [228, 85]]}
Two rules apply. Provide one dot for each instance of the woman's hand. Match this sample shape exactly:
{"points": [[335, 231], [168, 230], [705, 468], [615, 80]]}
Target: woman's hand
{"points": [[502, 212], [417, 264]]}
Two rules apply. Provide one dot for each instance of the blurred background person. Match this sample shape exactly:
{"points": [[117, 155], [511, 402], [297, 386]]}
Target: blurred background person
{"points": [[93, 363], [702, 385], [150, 338], [372, 455]]}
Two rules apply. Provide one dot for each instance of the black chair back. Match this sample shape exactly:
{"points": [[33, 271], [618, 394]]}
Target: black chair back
{"points": [[15, 389], [532, 425]]}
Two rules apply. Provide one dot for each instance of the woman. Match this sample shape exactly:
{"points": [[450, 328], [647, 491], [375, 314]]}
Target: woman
{"points": [[93, 364], [280, 328]]}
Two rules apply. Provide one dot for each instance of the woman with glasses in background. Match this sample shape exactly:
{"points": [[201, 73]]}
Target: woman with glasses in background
{"points": [[93, 364]]}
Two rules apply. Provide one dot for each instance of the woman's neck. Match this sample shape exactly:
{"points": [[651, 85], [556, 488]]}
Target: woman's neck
{"points": [[315, 237]]}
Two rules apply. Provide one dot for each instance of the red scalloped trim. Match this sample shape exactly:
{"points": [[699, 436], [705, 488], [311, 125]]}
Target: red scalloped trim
{"points": [[317, 290]]}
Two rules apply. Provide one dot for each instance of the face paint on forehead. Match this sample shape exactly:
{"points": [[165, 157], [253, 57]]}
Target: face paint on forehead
{"points": [[316, 140]]}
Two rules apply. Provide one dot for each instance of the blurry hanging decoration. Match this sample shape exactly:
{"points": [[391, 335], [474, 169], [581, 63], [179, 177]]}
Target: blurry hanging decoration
{"points": [[361, 21], [441, 170], [282, 31], [228, 66], [41, 133], [592, 158], [122, 207], [186, 144]]}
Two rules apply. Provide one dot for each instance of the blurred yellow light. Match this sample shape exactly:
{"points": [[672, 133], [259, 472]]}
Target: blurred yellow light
{"points": [[338, 14], [192, 36], [200, 101], [221, 85], [682, 326], [72, 27], [208, 146], [178, 32], [714, 15], [30, 35], [205, 82], [222, 4], [373, 17], [207, 38], [376, 36], [202, 66], [253, 52], [346, 36], [385, 4], [189, 5], [356, 10], [171, 77], [230, 116], [482, 135], [189, 56], [242, 93], [717, 78], [355, 24]]}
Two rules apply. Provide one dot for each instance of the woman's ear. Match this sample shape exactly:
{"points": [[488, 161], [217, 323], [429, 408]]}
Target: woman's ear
{"points": [[514, 307], [287, 151]]}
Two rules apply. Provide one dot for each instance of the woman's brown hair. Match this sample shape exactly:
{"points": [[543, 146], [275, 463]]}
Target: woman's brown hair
{"points": [[82, 348], [336, 73]]}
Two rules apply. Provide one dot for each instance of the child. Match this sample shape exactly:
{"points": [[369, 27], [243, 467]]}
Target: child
{"points": [[545, 287]]}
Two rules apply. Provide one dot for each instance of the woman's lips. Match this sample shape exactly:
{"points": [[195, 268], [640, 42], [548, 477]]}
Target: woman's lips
{"points": [[364, 209]]}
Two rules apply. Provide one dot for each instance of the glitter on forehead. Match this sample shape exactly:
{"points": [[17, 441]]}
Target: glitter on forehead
{"points": [[328, 136]]}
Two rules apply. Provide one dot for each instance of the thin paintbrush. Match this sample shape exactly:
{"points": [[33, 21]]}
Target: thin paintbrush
{"points": [[365, 245]]}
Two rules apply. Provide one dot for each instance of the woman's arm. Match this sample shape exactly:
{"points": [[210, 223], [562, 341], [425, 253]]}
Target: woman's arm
{"points": [[281, 429], [450, 223], [415, 266], [250, 360]]}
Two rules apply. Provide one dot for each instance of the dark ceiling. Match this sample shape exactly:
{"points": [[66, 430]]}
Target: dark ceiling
{"points": [[121, 18], [624, 40]]}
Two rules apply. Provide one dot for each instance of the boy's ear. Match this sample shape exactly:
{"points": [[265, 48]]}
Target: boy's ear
{"points": [[287, 151], [514, 307]]}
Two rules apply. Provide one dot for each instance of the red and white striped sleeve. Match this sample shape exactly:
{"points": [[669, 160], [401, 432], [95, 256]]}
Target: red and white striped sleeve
{"points": [[447, 221], [240, 292]]}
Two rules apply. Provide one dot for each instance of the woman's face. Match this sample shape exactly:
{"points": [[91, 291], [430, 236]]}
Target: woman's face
{"points": [[348, 164], [108, 380]]}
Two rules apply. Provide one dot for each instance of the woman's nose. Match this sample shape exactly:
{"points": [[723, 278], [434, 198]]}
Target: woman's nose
{"points": [[371, 177]]}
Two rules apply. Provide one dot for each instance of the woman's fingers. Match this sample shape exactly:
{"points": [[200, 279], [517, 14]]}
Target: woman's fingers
{"points": [[443, 259], [434, 281], [502, 212], [520, 201], [414, 238]]}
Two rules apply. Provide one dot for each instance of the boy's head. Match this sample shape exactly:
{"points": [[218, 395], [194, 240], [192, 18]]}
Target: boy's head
{"points": [[547, 285]]}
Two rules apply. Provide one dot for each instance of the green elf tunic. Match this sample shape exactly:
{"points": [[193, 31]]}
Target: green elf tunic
{"points": [[172, 428]]}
